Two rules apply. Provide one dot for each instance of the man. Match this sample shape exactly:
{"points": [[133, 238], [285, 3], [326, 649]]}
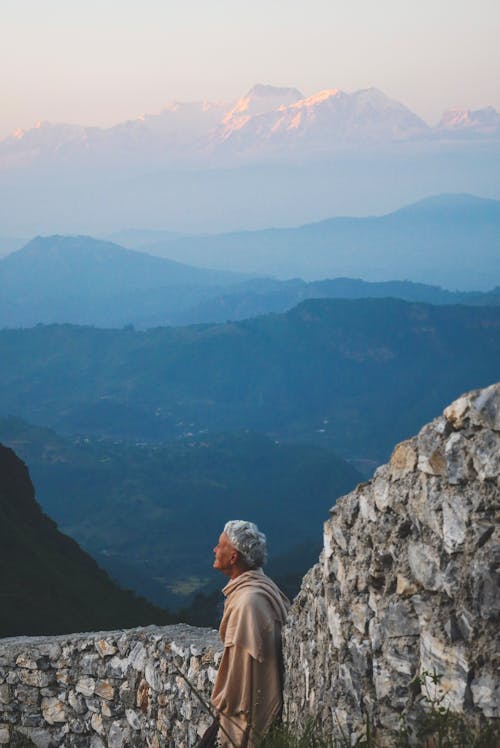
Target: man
{"points": [[247, 694]]}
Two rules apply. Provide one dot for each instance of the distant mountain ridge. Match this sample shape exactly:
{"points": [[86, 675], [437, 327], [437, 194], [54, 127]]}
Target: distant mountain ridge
{"points": [[265, 119], [82, 280], [335, 372], [452, 240], [89, 281]]}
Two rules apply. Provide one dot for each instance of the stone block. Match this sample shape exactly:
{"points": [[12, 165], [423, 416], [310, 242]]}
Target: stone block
{"points": [[133, 719], [104, 690], [425, 565], [402, 657], [403, 460], [399, 619], [405, 587], [456, 413], [335, 626], [118, 735], [431, 457], [486, 455], [85, 686], [367, 508], [34, 678], [26, 661], [486, 695], [360, 614], [53, 710], [97, 724], [449, 662], [382, 678], [486, 584], [381, 493], [77, 703], [455, 519], [458, 459], [486, 407], [153, 677], [105, 648]]}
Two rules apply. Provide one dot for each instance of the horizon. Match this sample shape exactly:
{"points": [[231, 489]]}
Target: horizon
{"points": [[430, 58], [109, 236]]}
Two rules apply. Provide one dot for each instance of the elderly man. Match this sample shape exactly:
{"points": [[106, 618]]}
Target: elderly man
{"points": [[247, 693]]}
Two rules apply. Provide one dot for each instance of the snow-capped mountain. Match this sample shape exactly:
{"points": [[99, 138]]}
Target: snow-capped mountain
{"points": [[180, 127], [324, 121], [482, 122], [267, 121], [261, 99]]}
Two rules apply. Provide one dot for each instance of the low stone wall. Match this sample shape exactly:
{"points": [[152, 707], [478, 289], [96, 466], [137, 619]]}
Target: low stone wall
{"points": [[408, 581], [114, 689]]}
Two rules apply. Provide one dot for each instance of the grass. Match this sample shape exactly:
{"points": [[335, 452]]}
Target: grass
{"points": [[436, 727]]}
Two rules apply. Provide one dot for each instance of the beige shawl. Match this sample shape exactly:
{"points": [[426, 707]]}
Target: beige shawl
{"points": [[248, 688]]}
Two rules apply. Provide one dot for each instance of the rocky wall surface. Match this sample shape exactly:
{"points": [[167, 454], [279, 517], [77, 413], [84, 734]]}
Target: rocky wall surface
{"points": [[407, 582], [113, 689]]}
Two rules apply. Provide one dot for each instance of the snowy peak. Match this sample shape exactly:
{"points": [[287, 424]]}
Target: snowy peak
{"points": [[325, 120], [328, 94], [267, 121], [467, 121], [260, 100]]}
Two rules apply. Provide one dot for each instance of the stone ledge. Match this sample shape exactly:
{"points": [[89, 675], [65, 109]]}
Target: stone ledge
{"points": [[108, 688]]}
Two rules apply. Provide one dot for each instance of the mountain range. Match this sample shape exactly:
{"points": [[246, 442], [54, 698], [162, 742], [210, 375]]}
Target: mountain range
{"points": [[451, 240], [335, 372], [83, 280], [273, 158], [268, 120]]}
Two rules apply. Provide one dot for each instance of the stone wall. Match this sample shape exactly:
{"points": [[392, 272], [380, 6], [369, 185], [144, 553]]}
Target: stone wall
{"points": [[116, 689], [408, 581]]}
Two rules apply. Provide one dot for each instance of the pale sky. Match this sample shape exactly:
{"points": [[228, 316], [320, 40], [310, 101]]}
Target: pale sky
{"points": [[103, 61]]}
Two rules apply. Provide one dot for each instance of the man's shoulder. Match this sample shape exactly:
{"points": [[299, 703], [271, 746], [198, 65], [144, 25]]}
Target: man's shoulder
{"points": [[256, 595]]}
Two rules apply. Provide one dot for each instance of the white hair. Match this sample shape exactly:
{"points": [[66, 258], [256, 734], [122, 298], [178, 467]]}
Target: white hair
{"points": [[249, 541]]}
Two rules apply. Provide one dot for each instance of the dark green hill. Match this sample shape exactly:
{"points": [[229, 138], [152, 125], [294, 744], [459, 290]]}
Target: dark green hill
{"points": [[264, 295], [48, 585], [152, 515], [357, 376]]}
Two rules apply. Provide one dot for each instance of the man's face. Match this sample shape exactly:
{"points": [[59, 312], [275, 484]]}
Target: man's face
{"points": [[226, 555]]}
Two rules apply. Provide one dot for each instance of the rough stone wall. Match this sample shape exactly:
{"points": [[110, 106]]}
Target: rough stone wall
{"points": [[408, 581], [114, 689]]}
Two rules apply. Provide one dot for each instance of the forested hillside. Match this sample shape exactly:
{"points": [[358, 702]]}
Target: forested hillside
{"points": [[48, 585], [152, 515], [356, 376]]}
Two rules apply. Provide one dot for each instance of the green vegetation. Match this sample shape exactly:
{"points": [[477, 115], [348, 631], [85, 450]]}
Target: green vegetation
{"points": [[355, 376], [434, 726], [48, 585], [456, 734]]}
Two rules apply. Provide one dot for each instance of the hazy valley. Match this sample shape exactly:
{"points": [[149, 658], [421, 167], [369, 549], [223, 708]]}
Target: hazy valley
{"points": [[150, 386]]}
